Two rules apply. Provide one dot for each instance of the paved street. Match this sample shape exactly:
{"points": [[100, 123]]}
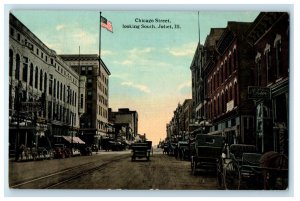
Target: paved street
{"points": [[109, 170]]}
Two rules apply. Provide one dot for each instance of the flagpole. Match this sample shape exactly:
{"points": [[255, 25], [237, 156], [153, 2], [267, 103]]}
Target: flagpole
{"points": [[198, 27], [99, 46]]}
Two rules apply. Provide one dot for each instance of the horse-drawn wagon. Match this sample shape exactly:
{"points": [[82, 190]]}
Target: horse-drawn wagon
{"points": [[141, 150], [208, 151], [244, 168]]}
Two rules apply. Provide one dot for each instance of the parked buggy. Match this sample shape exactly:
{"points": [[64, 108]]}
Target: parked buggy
{"points": [[208, 151], [141, 150], [241, 164]]}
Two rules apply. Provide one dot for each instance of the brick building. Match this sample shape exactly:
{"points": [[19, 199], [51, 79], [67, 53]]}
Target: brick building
{"points": [[94, 123], [269, 38], [124, 118]]}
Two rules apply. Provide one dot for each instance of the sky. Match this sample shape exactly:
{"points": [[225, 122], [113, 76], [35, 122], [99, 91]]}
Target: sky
{"points": [[150, 67], [189, 34]]}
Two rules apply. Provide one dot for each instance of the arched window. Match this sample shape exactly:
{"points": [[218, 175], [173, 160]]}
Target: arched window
{"points": [[54, 88], [223, 103], [234, 59], [11, 59], [45, 84], [226, 69], [31, 75], [17, 74], [57, 95], [230, 64], [61, 91], [25, 71], [235, 94], [36, 77], [41, 80], [64, 94], [278, 54]]}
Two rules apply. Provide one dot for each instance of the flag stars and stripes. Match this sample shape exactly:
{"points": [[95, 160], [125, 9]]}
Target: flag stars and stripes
{"points": [[106, 24]]}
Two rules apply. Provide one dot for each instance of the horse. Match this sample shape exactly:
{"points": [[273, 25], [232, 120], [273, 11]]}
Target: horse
{"points": [[275, 170]]}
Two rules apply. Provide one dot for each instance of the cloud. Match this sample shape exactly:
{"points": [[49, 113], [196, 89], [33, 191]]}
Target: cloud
{"points": [[140, 87], [187, 84], [184, 50], [135, 52], [106, 53], [60, 27], [125, 62]]}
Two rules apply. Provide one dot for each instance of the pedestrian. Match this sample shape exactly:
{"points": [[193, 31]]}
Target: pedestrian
{"points": [[21, 149]]}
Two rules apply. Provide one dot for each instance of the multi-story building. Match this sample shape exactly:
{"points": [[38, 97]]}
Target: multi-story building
{"points": [[186, 118], [43, 91], [269, 38], [203, 55], [227, 75], [125, 118], [94, 123]]}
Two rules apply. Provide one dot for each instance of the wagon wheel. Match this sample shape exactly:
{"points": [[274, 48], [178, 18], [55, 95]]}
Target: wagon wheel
{"points": [[192, 163], [231, 175], [220, 175]]}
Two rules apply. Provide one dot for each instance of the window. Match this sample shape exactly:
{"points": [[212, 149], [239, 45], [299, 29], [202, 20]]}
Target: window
{"points": [[90, 70], [57, 96], [17, 72], [83, 70], [31, 75], [61, 91], [89, 94], [225, 67], [50, 85], [235, 94], [45, 83], [19, 37], [10, 61], [230, 64], [25, 69], [12, 32], [37, 51], [223, 103], [279, 69], [36, 77], [234, 59], [222, 74], [268, 64], [81, 101], [75, 99], [258, 70], [41, 80], [64, 94], [51, 61], [54, 88]]}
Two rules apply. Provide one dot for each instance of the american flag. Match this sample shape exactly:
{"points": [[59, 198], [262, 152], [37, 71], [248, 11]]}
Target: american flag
{"points": [[106, 24]]}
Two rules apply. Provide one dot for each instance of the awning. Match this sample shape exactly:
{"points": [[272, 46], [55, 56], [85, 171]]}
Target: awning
{"points": [[76, 140]]}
